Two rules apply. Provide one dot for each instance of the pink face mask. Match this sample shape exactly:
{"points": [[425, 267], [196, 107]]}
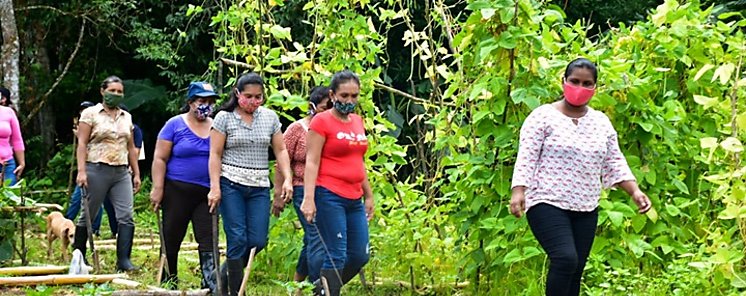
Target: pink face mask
{"points": [[577, 95], [247, 104]]}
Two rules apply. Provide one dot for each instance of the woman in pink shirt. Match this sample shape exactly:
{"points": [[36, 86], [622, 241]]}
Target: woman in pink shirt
{"points": [[11, 142], [567, 153]]}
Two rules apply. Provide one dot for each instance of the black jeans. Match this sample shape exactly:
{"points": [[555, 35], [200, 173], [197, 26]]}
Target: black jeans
{"points": [[567, 237], [182, 203]]}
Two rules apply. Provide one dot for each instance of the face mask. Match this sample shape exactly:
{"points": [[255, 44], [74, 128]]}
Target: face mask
{"points": [[247, 105], [312, 110], [577, 95], [203, 111], [344, 108], [112, 100]]}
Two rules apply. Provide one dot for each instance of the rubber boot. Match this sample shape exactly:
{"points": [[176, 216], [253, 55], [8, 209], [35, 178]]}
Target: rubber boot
{"points": [[124, 247], [235, 275], [332, 281], [80, 241], [348, 274], [224, 278], [170, 279], [207, 265]]}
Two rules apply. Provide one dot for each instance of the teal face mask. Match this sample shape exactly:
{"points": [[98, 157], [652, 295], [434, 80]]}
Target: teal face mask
{"points": [[112, 100], [344, 108]]}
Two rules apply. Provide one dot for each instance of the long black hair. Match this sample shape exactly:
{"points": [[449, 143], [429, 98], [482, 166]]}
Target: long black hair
{"points": [[342, 77], [582, 63], [110, 80], [244, 80], [318, 94]]}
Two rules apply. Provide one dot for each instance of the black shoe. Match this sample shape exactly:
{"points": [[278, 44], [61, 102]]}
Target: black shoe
{"points": [[81, 240], [235, 275], [224, 279], [124, 248], [207, 265], [333, 282]]}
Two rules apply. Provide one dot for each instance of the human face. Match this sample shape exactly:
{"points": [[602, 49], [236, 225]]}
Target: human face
{"points": [[347, 92], [250, 98], [323, 105], [114, 87], [581, 77], [202, 107]]}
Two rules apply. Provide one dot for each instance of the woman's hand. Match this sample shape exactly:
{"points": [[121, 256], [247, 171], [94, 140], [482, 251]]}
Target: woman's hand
{"points": [[287, 190], [136, 183], [517, 203], [19, 170], [370, 208], [213, 199], [642, 201], [308, 208], [82, 179], [278, 205], [156, 196]]}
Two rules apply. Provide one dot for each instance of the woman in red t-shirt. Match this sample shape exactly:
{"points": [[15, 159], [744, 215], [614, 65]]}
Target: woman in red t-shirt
{"points": [[335, 180]]}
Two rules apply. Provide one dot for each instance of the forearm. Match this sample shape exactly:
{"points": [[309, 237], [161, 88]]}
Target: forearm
{"points": [[629, 186], [367, 190], [309, 181], [214, 167], [158, 173], [519, 189], [132, 155], [283, 164], [279, 179], [82, 155], [20, 157]]}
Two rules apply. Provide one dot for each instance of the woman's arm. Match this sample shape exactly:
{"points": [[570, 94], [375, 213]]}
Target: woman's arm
{"points": [[16, 141], [314, 144], [158, 170], [84, 135], [133, 155], [530, 143], [217, 144], [369, 200]]}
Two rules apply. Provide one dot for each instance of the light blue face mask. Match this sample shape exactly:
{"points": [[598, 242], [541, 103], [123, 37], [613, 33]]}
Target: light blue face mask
{"points": [[344, 108]]}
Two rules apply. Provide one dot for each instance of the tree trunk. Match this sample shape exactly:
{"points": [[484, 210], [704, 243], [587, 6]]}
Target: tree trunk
{"points": [[10, 50]]}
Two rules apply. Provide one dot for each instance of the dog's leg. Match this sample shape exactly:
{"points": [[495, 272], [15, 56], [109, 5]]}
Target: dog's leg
{"points": [[65, 241], [50, 239]]}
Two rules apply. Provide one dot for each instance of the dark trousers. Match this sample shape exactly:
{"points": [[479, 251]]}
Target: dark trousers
{"points": [[245, 212], [567, 237], [310, 260], [182, 203]]}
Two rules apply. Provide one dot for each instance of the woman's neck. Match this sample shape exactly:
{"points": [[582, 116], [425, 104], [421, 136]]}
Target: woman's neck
{"points": [[574, 111], [341, 116], [109, 109]]}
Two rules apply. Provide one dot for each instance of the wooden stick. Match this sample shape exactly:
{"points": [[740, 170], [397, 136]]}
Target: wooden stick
{"points": [[161, 264], [33, 270], [164, 259], [247, 272], [127, 283], [216, 252], [61, 279], [202, 292]]}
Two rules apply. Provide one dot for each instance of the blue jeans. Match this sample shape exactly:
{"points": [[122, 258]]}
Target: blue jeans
{"points": [[74, 208], [8, 173], [344, 230], [310, 259], [245, 213]]}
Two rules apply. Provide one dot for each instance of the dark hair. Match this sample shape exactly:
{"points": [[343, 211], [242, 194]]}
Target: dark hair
{"points": [[5, 93], [581, 63], [318, 94], [343, 77], [244, 80], [110, 80]]}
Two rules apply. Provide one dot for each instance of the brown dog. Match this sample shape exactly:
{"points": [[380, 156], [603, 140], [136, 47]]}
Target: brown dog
{"points": [[59, 227]]}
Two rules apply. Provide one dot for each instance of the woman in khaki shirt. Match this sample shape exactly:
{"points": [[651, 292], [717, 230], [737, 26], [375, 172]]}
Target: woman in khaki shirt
{"points": [[105, 154]]}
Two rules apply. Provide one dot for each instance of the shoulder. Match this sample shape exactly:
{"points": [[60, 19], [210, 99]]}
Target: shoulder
{"points": [[223, 115], [6, 111], [95, 109], [600, 117], [177, 120], [540, 113], [271, 114]]}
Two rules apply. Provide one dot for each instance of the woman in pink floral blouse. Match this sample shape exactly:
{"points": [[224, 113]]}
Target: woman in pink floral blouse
{"points": [[567, 153]]}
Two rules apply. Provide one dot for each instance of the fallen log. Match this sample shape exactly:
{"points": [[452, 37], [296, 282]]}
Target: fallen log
{"points": [[184, 247], [35, 208], [61, 279], [202, 292], [33, 270]]}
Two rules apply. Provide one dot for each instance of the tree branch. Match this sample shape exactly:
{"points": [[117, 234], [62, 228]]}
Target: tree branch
{"points": [[43, 99], [406, 95]]}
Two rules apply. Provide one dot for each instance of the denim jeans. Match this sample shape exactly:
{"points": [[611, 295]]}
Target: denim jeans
{"points": [[311, 255], [74, 208], [343, 229], [8, 173], [245, 213], [567, 237]]}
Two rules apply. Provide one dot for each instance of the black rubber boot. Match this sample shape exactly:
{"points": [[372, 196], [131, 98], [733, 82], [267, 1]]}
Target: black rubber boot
{"points": [[235, 275], [333, 282], [170, 279], [124, 247], [209, 278], [224, 279], [80, 241], [348, 274]]}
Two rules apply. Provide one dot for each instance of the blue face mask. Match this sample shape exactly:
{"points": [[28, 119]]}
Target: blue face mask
{"points": [[203, 111], [344, 108]]}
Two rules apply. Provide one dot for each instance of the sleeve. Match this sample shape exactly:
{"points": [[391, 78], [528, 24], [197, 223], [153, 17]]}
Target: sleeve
{"points": [[291, 137], [87, 116], [137, 135], [615, 168], [277, 125], [167, 132], [220, 123], [529, 150], [318, 125], [16, 139]]}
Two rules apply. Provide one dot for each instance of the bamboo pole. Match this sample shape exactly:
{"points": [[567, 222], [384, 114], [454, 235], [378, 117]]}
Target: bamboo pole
{"points": [[33, 270], [202, 292], [247, 272], [184, 247], [62, 279]]}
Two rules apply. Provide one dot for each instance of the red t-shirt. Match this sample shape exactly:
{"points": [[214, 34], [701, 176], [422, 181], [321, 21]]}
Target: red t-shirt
{"points": [[342, 166]]}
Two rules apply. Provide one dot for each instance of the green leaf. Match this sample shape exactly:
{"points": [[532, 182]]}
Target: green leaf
{"points": [[732, 145], [724, 73], [708, 143], [646, 126], [702, 71], [487, 13], [616, 218], [280, 32], [707, 102], [672, 210], [638, 223], [652, 215], [681, 186], [512, 256]]}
